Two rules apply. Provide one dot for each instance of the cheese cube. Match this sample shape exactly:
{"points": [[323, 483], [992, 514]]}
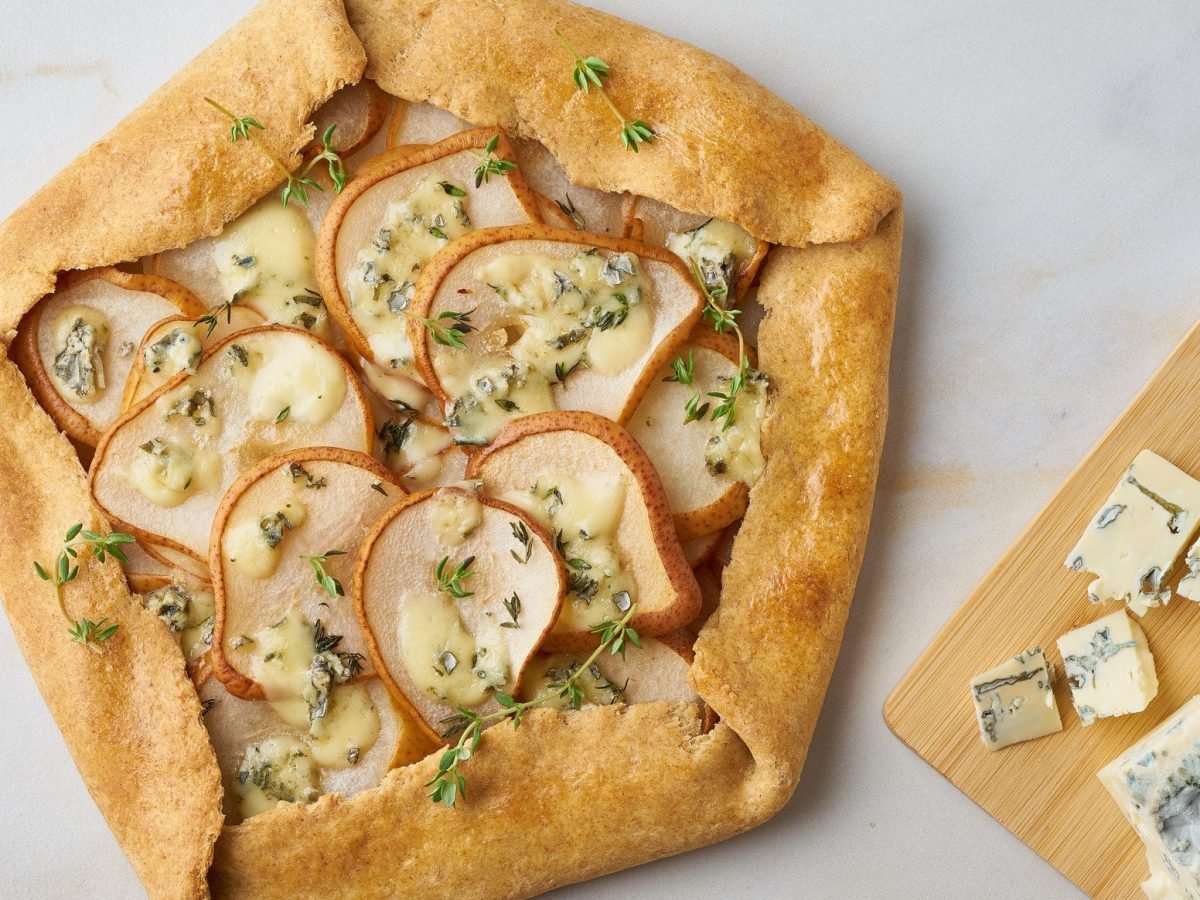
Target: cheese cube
{"points": [[1109, 667], [1189, 584], [1139, 533], [1015, 701], [1157, 785]]}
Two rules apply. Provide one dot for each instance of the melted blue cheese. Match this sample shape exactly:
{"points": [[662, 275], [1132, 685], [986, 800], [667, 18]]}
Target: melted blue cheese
{"points": [[1015, 700], [297, 384], [176, 351], [167, 472], [1156, 783], [443, 658], [584, 516], [736, 447], [595, 687], [253, 542], [188, 613], [81, 333], [1109, 667], [1139, 533], [719, 251], [264, 260], [277, 770], [381, 283]]}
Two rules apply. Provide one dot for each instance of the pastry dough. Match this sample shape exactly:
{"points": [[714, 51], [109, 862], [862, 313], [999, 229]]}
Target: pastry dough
{"points": [[726, 147]]}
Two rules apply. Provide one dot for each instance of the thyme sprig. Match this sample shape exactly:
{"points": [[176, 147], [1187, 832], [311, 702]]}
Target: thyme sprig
{"points": [[66, 569], [490, 164], [449, 783], [682, 372], [589, 72], [331, 585], [524, 538], [450, 581], [212, 318], [512, 606], [724, 320], [450, 335], [300, 182]]}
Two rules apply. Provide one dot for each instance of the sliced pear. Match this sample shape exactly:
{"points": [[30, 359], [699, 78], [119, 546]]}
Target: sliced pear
{"points": [[587, 480], [658, 670], [726, 255], [142, 565], [176, 344], [556, 215], [421, 123], [699, 550], [561, 319], [710, 592], [589, 209], [706, 468], [263, 259], [77, 346], [449, 642], [235, 726], [285, 537], [176, 560], [358, 110], [162, 468], [391, 219]]}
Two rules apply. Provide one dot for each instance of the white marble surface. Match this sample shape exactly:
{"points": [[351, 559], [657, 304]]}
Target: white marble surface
{"points": [[1047, 152]]}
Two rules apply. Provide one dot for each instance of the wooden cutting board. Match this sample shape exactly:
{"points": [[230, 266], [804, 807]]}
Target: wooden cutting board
{"points": [[1045, 791]]}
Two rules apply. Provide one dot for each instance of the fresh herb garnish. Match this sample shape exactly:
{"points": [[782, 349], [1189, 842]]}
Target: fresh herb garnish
{"points": [[589, 72], [521, 532], [212, 318], [66, 568], [450, 335], [490, 164], [331, 585], [283, 414], [682, 372], [569, 210], [513, 607], [298, 183], [452, 189], [723, 321], [451, 581], [449, 783]]}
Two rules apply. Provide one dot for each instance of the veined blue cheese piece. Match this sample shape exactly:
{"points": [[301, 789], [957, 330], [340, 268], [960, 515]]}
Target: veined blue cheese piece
{"points": [[1189, 584], [1157, 785], [1109, 667], [1015, 701], [1139, 533]]}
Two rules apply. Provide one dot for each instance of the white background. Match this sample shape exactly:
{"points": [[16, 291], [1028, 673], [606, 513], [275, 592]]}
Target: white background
{"points": [[1048, 153]]}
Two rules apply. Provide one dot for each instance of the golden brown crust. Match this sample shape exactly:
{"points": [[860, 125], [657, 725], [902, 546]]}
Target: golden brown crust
{"points": [[726, 146], [786, 592], [774, 173], [168, 173], [384, 166], [128, 710], [235, 682]]}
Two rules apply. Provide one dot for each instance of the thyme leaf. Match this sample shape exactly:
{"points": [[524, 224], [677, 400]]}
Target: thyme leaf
{"points": [[589, 72], [450, 581], [450, 335], [490, 164], [66, 569], [328, 583]]}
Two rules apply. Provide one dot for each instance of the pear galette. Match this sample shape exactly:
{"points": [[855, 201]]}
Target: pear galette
{"points": [[458, 452]]}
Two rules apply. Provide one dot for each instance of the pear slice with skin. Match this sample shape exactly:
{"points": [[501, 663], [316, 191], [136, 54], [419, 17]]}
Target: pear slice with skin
{"points": [[699, 550], [356, 220], [591, 210], [184, 338], [186, 606], [421, 123], [539, 452], [177, 560], [269, 390], [126, 306], [454, 280], [234, 724], [658, 670], [701, 502], [403, 611], [339, 495], [653, 222], [358, 110]]}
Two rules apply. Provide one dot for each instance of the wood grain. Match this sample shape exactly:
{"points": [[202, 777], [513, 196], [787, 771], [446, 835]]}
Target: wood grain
{"points": [[1045, 791]]}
